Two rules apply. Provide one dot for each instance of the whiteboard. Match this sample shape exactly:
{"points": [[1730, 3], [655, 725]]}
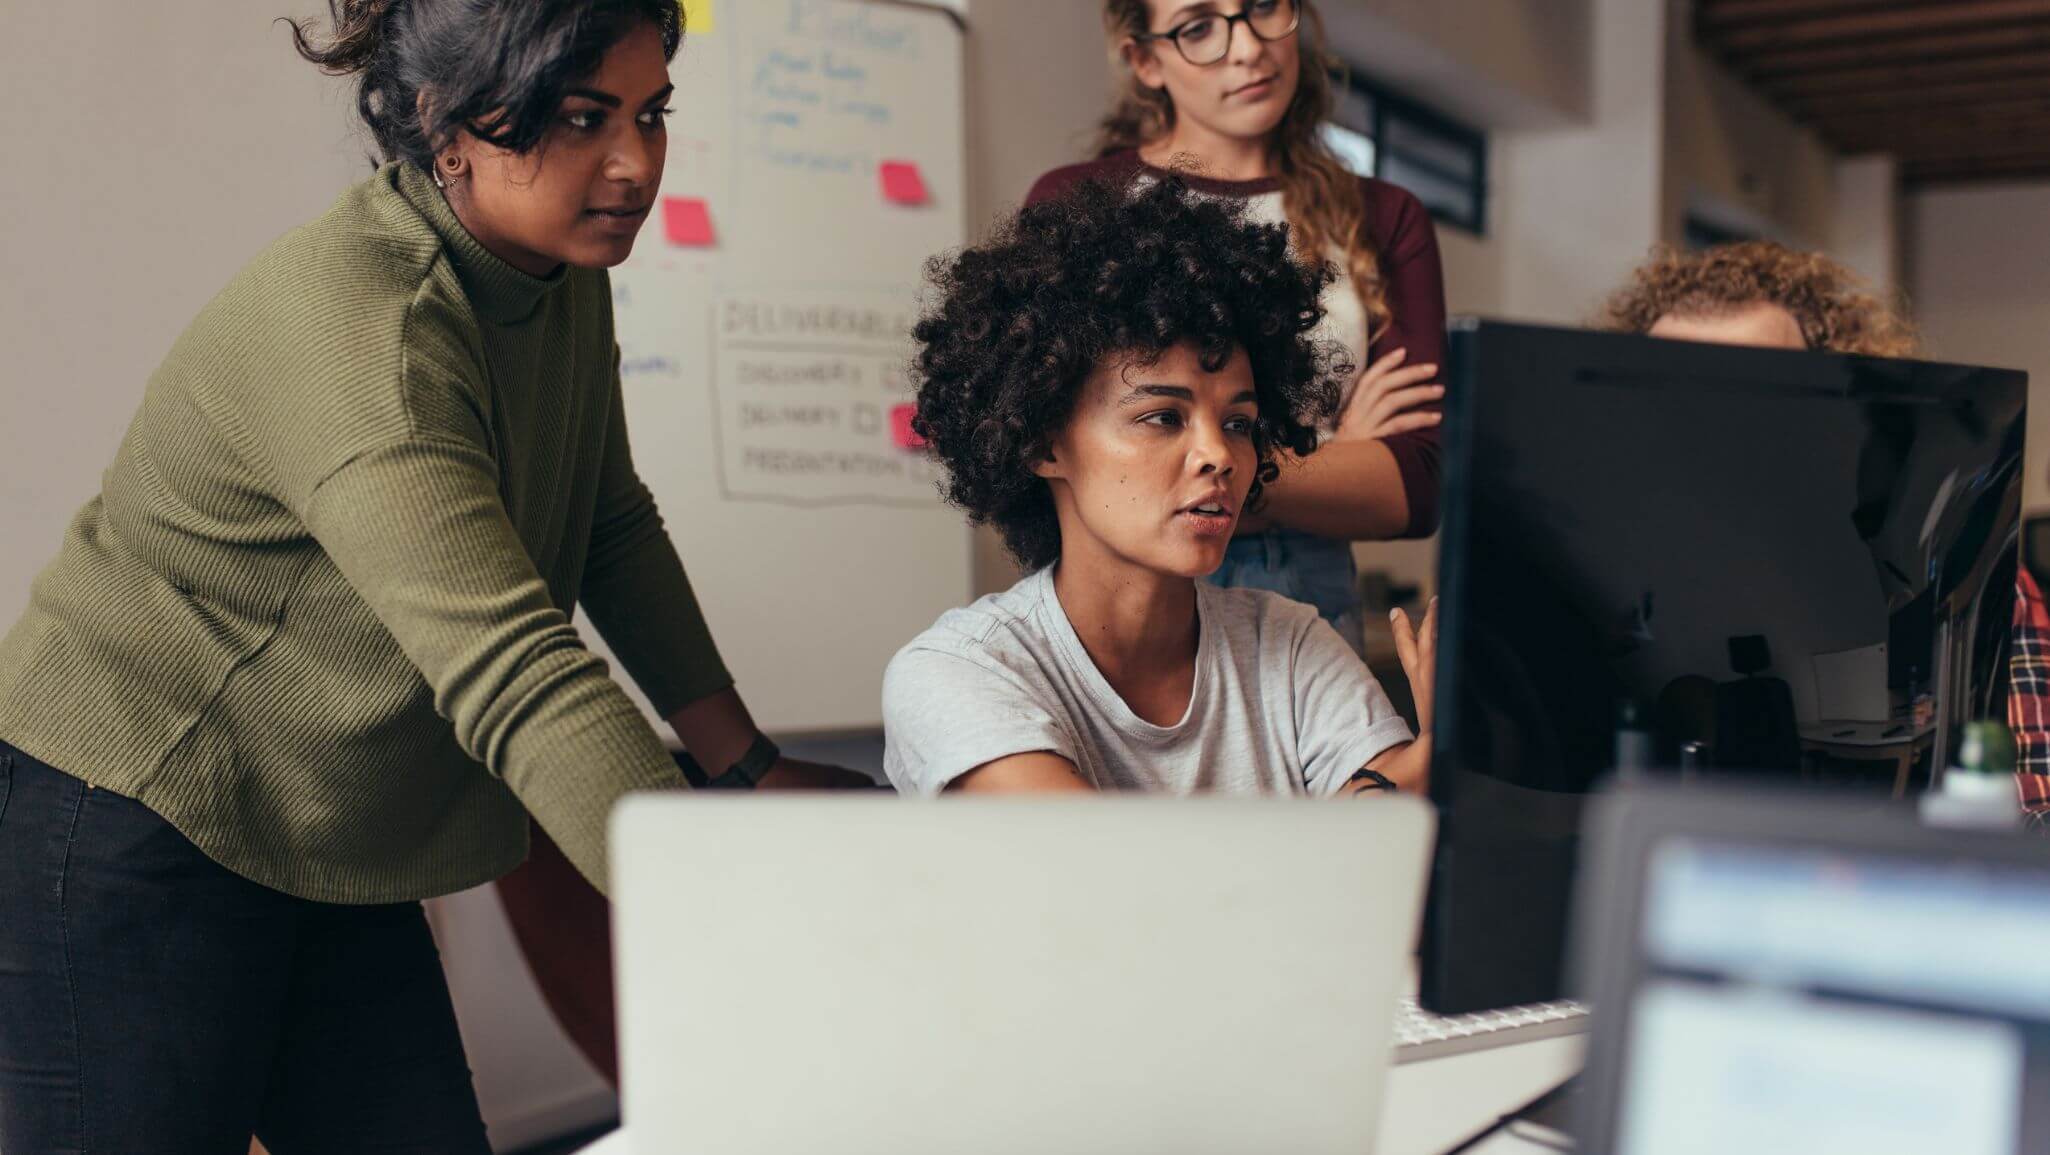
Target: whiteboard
{"points": [[764, 371]]}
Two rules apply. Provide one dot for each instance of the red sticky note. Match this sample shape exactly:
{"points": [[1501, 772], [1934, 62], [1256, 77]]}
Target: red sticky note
{"points": [[900, 428], [687, 222], [903, 184]]}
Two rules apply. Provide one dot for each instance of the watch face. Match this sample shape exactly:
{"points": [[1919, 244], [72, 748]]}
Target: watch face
{"points": [[752, 765]]}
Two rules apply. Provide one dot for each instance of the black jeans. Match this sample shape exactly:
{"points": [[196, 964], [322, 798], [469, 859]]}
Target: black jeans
{"points": [[153, 1001]]}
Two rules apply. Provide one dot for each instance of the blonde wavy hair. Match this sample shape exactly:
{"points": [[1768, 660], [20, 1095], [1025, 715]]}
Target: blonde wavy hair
{"points": [[1319, 195], [1836, 311]]}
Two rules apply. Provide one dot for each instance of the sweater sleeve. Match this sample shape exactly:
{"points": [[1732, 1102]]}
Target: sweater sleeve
{"points": [[418, 530], [400, 487], [635, 589], [1414, 281]]}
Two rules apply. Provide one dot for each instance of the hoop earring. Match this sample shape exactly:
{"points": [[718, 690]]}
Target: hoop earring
{"points": [[455, 167]]}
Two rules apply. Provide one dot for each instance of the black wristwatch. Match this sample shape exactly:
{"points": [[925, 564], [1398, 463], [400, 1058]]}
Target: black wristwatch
{"points": [[747, 772], [1380, 781]]}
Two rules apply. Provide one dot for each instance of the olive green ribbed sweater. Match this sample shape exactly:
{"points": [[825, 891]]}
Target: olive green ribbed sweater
{"points": [[318, 616]]}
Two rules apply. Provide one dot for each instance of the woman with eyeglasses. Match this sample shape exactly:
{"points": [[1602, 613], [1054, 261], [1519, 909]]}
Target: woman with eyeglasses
{"points": [[1231, 95]]}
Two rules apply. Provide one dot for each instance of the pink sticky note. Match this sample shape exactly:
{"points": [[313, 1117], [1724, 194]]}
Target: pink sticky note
{"points": [[903, 184], [900, 427], [687, 222]]}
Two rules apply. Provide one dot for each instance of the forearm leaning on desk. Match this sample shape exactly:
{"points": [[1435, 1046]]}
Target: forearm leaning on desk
{"points": [[1041, 772]]}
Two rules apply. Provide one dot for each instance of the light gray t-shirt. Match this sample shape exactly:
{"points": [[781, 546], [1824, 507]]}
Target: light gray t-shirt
{"points": [[1281, 705]]}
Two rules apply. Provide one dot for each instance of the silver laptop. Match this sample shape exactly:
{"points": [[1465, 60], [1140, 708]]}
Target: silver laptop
{"points": [[1774, 973], [799, 975]]}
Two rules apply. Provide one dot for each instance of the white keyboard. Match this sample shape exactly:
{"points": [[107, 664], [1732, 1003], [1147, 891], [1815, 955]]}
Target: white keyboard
{"points": [[1419, 1034]]}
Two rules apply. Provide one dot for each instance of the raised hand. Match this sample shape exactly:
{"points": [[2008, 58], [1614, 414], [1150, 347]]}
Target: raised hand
{"points": [[1418, 649]]}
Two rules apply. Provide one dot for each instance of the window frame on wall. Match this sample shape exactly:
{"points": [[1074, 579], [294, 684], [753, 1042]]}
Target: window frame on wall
{"points": [[1389, 116]]}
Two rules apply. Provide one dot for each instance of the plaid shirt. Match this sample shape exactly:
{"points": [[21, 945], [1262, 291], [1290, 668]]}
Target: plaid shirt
{"points": [[2028, 698]]}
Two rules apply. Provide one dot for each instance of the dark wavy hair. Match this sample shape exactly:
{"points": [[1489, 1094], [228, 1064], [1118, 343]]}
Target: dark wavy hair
{"points": [[1022, 320], [496, 69]]}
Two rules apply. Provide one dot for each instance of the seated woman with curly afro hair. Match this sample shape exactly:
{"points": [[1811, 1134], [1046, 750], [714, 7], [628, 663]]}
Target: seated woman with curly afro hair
{"points": [[1107, 381]]}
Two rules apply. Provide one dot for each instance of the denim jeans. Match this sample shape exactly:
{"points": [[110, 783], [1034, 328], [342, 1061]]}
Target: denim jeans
{"points": [[153, 1001], [1301, 566]]}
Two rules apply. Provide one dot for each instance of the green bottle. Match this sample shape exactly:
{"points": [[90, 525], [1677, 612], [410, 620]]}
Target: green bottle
{"points": [[1980, 790], [1988, 748]]}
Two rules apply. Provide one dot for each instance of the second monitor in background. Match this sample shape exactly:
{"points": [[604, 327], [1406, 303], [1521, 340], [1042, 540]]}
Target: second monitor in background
{"points": [[1751, 561]]}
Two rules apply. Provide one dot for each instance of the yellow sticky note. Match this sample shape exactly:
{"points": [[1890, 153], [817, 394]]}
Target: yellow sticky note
{"points": [[697, 16]]}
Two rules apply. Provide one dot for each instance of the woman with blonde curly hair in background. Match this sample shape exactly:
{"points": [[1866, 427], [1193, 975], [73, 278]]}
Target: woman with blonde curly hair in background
{"points": [[1759, 293]]}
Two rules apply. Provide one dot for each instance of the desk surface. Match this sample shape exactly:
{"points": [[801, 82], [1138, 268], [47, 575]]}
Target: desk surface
{"points": [[1892, 732], [1430, 1106], [1434, 1105]]}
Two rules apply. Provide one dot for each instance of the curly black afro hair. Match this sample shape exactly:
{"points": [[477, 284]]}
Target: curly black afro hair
{"points": [[1102, 272]]}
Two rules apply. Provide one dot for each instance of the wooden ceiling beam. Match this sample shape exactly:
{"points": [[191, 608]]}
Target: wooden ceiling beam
{"points": [[1884, 78], [1718, 14], [1860, 23], [1984, 111], [1971, 119], [1929, 175], [1984, 164], [1957, 90], [1812, 60], [1822, 108], [1938, 146], [1919, 151], [1917, 142]]}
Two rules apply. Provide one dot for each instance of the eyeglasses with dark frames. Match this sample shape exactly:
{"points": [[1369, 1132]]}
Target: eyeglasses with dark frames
{"points": [[1206, 39]]}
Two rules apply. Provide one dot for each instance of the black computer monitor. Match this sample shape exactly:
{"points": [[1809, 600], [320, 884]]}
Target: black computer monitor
{"points": [[1722, 553]]}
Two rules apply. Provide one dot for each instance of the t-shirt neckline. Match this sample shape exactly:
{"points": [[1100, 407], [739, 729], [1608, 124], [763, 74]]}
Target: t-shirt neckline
{"points": [[1108, 700]]}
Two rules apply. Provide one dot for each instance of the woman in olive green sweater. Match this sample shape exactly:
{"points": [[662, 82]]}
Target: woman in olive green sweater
{"points": [[307, 658]]}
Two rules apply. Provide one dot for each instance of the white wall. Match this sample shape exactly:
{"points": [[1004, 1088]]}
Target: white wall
{"points": [[153, 149], [1865, 225], [1979, 276], [1734, 158], [1574, 203], [1571, 93], [1038, 81], [1506, 64], [1579, 207]]}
